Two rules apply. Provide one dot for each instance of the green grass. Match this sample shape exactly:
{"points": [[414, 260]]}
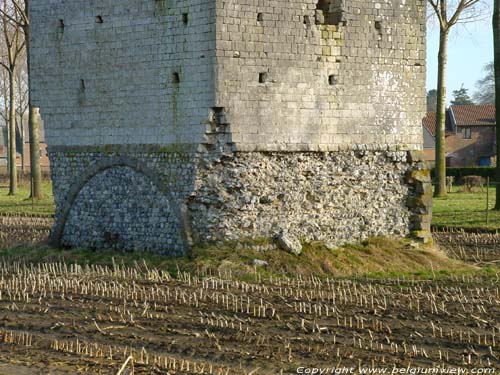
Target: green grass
{"points": [[466, 210], [377, 257], [21, 203]]}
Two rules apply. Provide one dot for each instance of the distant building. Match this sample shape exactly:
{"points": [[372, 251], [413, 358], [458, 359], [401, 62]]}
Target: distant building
{"points": [[470, 135], [4, 141], [20, 144]]}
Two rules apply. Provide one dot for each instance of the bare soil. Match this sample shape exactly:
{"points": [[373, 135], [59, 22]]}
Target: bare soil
{"points": [[57, 318]]}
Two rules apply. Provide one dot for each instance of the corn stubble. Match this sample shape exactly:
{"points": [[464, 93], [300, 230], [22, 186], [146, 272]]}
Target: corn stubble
{"points": [[137, 320]]}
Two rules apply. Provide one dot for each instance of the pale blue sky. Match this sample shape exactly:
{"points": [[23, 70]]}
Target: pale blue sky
{"points": [[470, 48]]}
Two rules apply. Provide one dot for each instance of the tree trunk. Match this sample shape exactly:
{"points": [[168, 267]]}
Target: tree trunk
{"points": [[12, 135], [496, 54], [23, 154], [440, 190], [36, 175]]}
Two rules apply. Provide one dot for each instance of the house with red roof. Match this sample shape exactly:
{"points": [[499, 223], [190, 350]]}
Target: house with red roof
{"points": [[470, 135]]}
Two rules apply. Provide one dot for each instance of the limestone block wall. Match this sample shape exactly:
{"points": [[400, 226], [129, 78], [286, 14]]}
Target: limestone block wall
{"points": [[123, 72], [287, 74], [291, 79]]}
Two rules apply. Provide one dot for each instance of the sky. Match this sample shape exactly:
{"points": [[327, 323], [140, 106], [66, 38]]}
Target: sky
{"points": [[470, 48]]}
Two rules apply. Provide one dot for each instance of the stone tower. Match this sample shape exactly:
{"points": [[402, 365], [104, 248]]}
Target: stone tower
{"points": [[170, 122]]}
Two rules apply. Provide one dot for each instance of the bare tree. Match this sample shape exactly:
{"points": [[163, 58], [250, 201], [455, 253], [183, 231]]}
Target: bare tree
{"points": [[448, 14], [22, 97], [496, 63], [22, 20], [13, 38], [4, 92], [485, 87]]}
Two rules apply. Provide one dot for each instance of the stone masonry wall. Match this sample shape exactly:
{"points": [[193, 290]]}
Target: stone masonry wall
{"points": [[290, 78], [123, 72], [335, 197], [171, 122], [165, 201], [125, 197], [287, 74]]}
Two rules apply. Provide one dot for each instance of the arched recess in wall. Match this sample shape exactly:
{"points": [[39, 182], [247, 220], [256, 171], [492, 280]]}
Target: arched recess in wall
{"points": [[120, 203]]}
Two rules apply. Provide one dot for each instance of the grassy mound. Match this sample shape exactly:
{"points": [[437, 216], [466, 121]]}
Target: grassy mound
{"points": [[375, 257]]}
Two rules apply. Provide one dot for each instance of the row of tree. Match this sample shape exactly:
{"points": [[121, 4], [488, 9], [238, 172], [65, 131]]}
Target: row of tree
{"points": [[465, 10], [14, 89], [460, 97]]}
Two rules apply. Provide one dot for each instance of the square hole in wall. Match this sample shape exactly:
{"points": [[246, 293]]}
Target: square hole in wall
{"points": [[263, 77], [332, 79], [176, 78], [185, 18], [332, 12], [98, 19], [260, 17]]}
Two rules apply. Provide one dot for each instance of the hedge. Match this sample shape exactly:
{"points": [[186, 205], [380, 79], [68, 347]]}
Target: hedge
{"points": [[468, 171]]}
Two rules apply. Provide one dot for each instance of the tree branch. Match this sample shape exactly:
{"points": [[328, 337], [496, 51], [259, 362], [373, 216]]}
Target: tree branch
{"points": [[21, 12], [462, 6], [8, 17]]}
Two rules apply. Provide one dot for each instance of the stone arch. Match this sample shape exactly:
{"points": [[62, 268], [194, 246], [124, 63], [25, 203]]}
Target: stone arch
{"points": [[108, 165]]}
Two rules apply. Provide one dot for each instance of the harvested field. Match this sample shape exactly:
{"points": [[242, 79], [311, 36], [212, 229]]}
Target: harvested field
{"points": [[479, 247], [64, 319], [24, 229]]}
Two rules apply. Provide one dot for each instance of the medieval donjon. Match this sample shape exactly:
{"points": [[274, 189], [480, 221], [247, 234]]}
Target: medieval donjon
{"points": [[176, 121]]}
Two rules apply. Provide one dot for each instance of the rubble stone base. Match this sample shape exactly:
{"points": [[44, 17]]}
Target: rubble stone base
{"points": [[165, 201]]}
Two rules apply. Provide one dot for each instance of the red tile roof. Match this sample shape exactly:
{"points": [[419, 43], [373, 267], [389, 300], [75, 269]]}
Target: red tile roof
{"points": [[429, 121], [474, 115]]}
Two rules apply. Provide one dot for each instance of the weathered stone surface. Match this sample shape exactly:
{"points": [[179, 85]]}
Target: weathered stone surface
{"points": [[419, 175], [424, 236], [415, 156], [260, 263], [175, 122], [120, 208], [334, 197], [144, 76], [289, 243]]}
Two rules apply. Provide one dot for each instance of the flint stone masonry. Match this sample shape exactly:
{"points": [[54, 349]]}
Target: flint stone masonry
{"points": [[334, 197], [107, 214], [129, 198], [175, 122]]}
